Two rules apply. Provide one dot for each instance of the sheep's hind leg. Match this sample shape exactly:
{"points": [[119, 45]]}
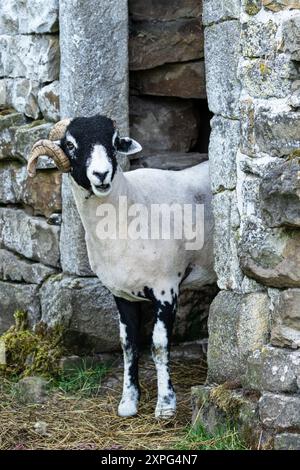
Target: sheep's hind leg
{"points": [[129, 332], [165, 315]]}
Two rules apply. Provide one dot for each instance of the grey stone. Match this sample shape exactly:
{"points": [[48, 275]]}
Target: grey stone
{"points": [[290, 36], [241, 412], [271, 256], [33, 57], [280, 411], [86, 310], [226, 218], [32, 390], [94, 50], [268, 77], [38, 17], [28, 16], [3, 93], [9, 120], [287, 441], [280, 195], [270, 127], [286, 319], [169, 160], [273, 369], [22, 96], [221, 61], [240, 323], [42, 193], [163, 124], [154, 43], [30, 236], [223, 146], [26, 136], [16, 296], [186, 80], [164, 11], [48, 99], [16, 268], [215, 11], [258, 37], [73, 252]]}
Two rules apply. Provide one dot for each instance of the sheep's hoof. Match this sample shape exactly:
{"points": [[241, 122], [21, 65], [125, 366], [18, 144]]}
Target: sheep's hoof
{"points": [[163, 412], [127, 408]]}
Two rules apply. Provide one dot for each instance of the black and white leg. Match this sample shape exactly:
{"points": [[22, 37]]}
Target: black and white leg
{"points": [[129, 335], [165, 312]]}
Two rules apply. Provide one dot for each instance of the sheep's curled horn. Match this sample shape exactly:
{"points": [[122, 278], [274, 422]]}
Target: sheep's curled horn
{"points": [[51, 149]]}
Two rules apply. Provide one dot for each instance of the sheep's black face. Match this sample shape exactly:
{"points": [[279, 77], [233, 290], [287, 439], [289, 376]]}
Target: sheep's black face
{"points": [[92, 144]]}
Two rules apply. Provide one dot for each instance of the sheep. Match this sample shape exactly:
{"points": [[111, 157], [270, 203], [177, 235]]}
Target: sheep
{"points": [[135, 270]]}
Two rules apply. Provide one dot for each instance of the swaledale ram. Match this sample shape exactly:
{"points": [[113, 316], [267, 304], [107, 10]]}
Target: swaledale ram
{"points": [[135, 269]]}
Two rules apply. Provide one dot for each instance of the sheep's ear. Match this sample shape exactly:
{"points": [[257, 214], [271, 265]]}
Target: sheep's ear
{"points": [[126, 145]]}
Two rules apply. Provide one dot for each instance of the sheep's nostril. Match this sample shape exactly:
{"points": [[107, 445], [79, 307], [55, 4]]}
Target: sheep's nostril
{"points": [[101, 176]]}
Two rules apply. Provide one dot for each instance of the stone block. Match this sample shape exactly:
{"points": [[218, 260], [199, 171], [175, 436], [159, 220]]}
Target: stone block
{"points": [[290, 35], [32, 390], [86, 310], [29, 236], [28, 16], [163, 124], [268, 77], [258, 36], [42, 193], [26, 136], [215, 11], [271, 256], [273, 369], [154, 43], [227, 221], [240, 323], [16, 296], [223, 146], [286, 319], [22, 96], [33, 57], [186, 80], [74, 257], [269, 127], [280, 195], [280, 411], [9, 121], [17, 269], [287, 441], [222, 46], [48, 100], [169, 160], [164, 11]]}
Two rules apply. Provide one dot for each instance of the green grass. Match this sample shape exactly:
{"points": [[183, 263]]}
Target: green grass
{"points": [[225, 438], [84, 380]]}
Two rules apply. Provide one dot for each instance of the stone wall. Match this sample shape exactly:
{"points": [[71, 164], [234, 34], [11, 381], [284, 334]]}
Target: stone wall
{"points": [[252, 72], [44, 267]]}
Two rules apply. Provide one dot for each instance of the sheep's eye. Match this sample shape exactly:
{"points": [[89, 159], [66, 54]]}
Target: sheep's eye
{"points": [[70, 145]]}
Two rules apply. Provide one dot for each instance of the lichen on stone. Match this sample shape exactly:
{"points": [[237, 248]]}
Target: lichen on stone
{"points": [[226, 400], [30, 352]]}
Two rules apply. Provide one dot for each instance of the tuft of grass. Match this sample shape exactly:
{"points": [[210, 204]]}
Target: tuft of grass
{"points": [[85, 381], [225, 438]]}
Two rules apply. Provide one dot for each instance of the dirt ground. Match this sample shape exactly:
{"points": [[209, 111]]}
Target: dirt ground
{"points": [[74, 421]]}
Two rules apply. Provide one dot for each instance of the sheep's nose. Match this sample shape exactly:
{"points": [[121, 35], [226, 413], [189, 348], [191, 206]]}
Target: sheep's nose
{"points": [[101, 176]]}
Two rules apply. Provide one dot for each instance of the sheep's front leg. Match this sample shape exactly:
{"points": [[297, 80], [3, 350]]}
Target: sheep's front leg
{"points": [[129, 332], [165, 315]]}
